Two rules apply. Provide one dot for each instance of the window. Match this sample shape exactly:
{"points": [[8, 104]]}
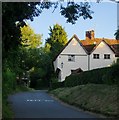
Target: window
{"points": [[62, 65], [106, 56], [96, 56], [71, 58]]}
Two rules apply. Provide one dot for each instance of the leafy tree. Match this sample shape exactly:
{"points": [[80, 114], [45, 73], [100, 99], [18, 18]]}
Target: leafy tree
{"points": [[29, 38], [11, 13], [57, 39], [18, 12], [75, 10], [40, 67]]}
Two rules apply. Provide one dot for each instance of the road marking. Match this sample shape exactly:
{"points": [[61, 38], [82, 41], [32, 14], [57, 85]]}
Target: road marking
{"points": [[48, 100], [30, 100]]}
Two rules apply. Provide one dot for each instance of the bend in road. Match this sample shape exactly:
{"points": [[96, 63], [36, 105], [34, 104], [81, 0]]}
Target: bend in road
{"points": [[39, 104]]}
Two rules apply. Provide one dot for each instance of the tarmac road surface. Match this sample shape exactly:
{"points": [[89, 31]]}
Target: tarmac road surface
{"points": [[39, 104]]}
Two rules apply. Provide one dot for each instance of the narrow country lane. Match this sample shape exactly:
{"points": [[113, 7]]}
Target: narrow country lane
{"points": [[39, 104]]}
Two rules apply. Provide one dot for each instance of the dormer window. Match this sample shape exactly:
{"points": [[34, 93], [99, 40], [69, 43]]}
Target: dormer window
{"points": [[71, 58], [96, 56]]}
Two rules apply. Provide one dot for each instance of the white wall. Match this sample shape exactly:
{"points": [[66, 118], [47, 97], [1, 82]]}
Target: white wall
{"points": [[101, 49], [73, 48], [80, 62], [81, 59]]}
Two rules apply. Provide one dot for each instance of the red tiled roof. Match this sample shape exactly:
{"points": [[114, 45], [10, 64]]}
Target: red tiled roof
{"points": [[90, 44]]}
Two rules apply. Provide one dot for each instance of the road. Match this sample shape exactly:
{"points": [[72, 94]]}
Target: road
{"points": [[39, 104]]}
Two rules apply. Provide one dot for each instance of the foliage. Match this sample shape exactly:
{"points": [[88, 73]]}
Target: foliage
{"points": [[27, 10], [117, 34], [57, 39], [18, 12], [107, 75], [55, 84], [74, 10], [40, 67], [29, 38], [8, 85], [6, 110], [9, 81]]}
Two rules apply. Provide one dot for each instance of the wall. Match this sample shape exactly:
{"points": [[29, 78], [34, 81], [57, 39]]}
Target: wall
{"points": [[101, 49], [81, 59], [80, 62]]}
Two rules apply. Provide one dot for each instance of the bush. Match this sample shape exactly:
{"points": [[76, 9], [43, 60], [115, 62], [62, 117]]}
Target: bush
{"points": [[108, 75], [9, 81], [8, 85], [112, 76], [55, 84]]}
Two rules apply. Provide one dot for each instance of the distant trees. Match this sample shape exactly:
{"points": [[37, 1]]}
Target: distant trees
{"points": [[41, 70], [57, 39], [40, 61], [28, 38]]}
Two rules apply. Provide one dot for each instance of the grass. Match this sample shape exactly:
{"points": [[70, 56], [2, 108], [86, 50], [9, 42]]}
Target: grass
{"points": [[98, 98]]}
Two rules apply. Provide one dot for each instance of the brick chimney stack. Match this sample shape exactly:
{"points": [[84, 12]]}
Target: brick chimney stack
{"points": [[90, 35]]}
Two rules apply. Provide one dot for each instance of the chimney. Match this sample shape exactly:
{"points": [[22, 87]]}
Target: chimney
{"points": [[90, 35]]}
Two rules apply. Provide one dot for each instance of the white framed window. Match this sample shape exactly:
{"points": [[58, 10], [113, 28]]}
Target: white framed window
{"points": [[96, 56], [71, 58], [106, 56]]}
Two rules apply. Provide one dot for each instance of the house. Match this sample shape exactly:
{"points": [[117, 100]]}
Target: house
{"points": [[83, 55]]}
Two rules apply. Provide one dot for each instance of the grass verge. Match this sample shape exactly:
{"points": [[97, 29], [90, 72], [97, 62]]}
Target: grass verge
{"points": [[98, 98], [6, 107]]}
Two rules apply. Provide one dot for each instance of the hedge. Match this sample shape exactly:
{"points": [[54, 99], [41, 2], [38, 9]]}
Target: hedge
{"points": [[108, 75]]}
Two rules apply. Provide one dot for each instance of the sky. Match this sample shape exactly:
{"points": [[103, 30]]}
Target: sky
{"points": [[104, 22]]}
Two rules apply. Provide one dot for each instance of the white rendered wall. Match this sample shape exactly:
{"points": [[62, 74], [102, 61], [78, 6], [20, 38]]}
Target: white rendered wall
{"points": [[81, 59], [101, 49], [80, 62], [73, 48]]}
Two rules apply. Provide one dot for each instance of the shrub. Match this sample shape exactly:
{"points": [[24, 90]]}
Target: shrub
{"points": [[9, 81], [8, 85], [108, 75], [55, 84], [112, 76]]}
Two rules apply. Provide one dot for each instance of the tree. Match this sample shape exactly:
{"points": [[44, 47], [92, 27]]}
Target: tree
{"points": [[12, 13], [29, 38], [38, 62], [27, 10], [117, 34], [57, 39], [75, 10]]}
